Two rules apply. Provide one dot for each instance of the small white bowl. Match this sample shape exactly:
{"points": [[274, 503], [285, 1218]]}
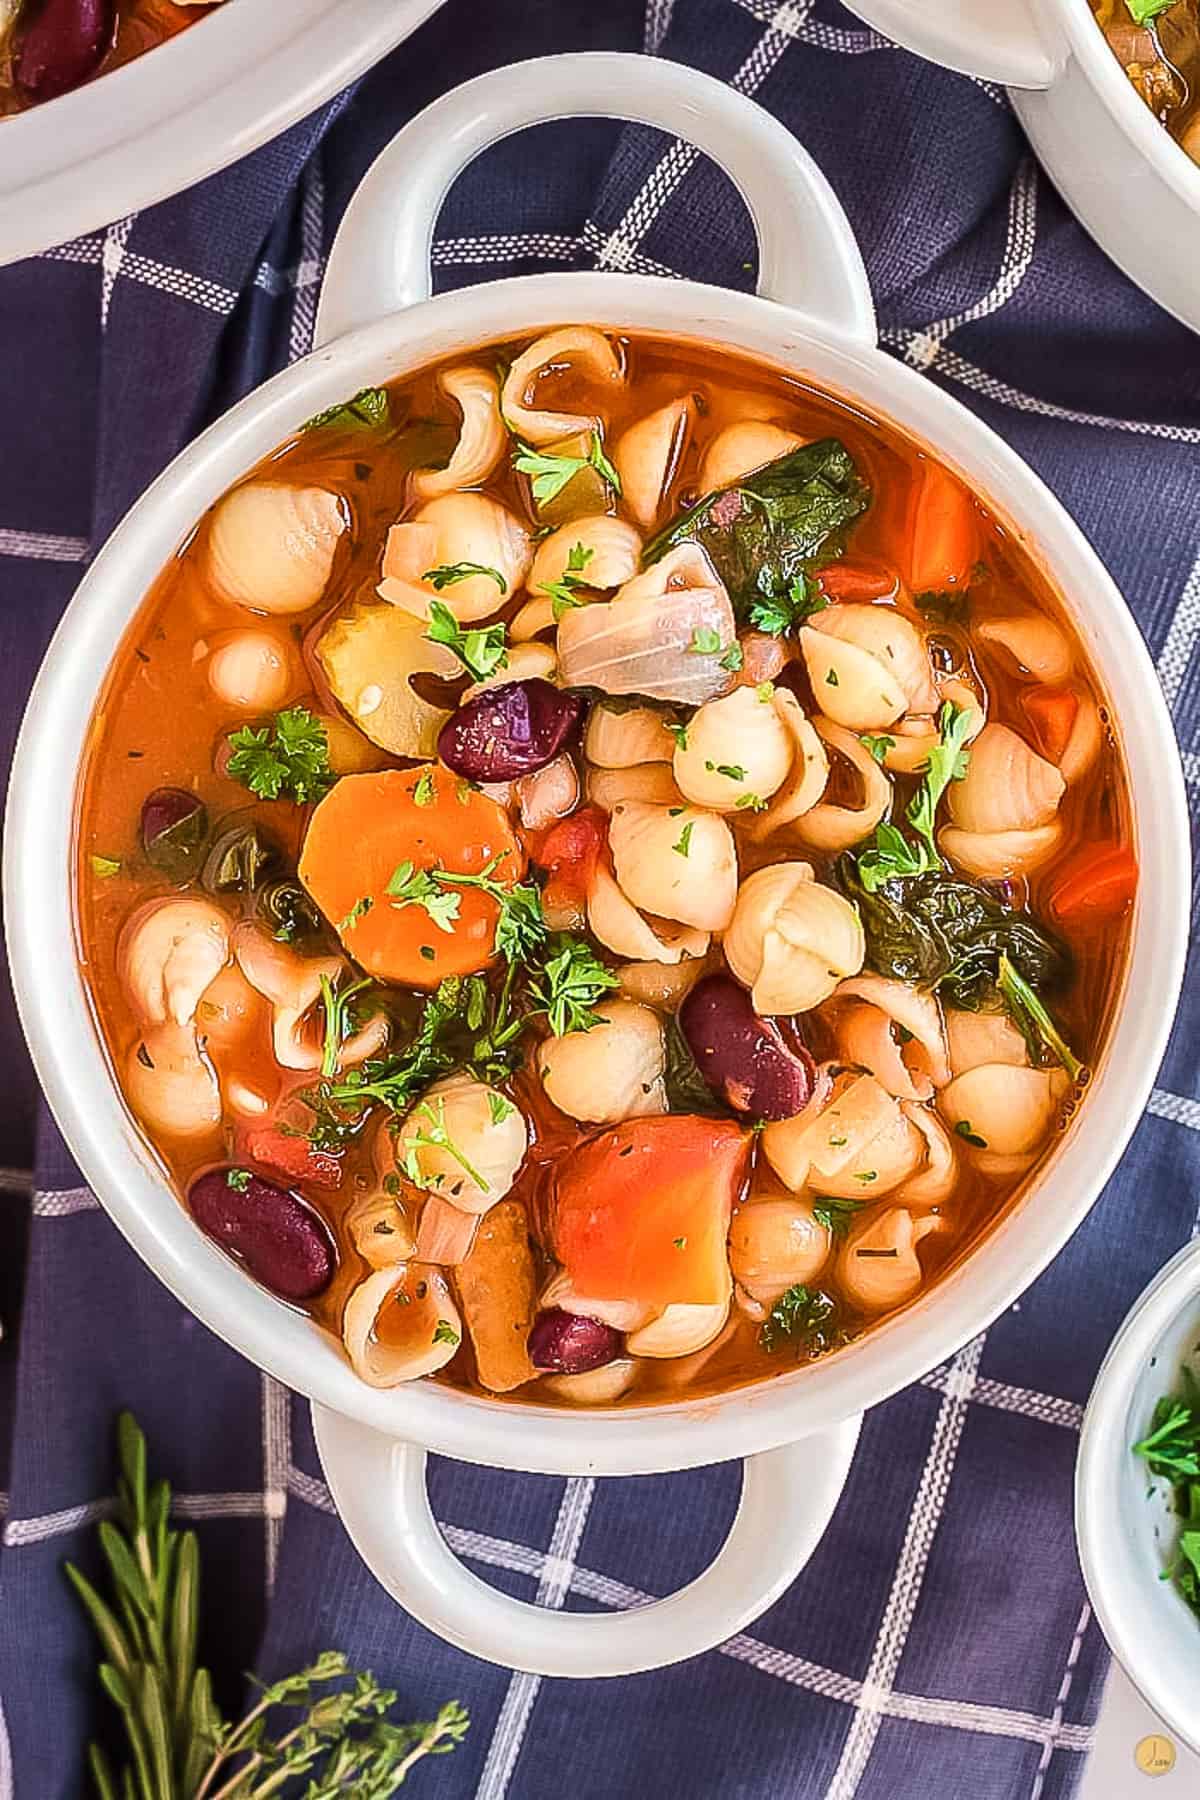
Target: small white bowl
{"points": [[1126, 1532]]}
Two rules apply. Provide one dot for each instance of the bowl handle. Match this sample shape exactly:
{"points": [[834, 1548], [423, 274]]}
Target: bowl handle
{"points": [[378, 1487], [996, 40], [808, 257]]}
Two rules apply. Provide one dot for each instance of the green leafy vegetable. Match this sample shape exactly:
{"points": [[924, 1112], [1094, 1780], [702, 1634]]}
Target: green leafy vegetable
{"points": [[178, 1744], [686, 1089], [410, 886], [1143, 11], [805, 1318], [425, 788], [790, 610], [238, 1180], [877, 747], [1031, 1015], [498, 1107], [481, 649], [1171, 1451], [368, 410], [550, 473], [104, 867], [948, 608], [358, 911], [520, 930], [765, 533], [893, 855], [288, 759], [571, 981], [563, 592], [450, 574]]}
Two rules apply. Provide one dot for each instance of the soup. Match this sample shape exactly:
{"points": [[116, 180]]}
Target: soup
{"points": [[602, 871], [49, 47], [1157, 43]]}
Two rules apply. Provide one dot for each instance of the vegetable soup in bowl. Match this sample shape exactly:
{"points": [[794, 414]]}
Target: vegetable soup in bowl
{"points": [[573, 867], [630, 883]]}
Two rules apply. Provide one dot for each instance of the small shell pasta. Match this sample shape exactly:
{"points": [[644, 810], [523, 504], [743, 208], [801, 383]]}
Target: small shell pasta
{"points": [[457, 528], [742, 447], [936, 1179], [621, 928], [650, 783], [1000, 1110], [807, 780], [878, 1266], [852, 686], [791, 940], [380, 1229], [463, 1141], [734, 751], [979, 1037], [659, 984], [893, 640], [482, 439], [996, 855], [623, 738], [251, 670], [915, 1012], [587, 352], [913, 737], [647, 455], [271, 547], [612, 1071], [170, 1083], [830, 827], [1034, 644], [676, 864], [1007, 786], [856, 1146], [424, 1326], [679, 1330], [607, 551], [775, 1243]]}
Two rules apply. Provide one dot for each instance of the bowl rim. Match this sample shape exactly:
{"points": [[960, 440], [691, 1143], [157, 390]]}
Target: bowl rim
{"points": [[217, 90], [1116, 1585], [39, 840]]}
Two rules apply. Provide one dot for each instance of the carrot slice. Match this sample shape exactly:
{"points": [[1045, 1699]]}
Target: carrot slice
{"points": [[1052, 713], [642, 1211], [366, 828], [1097, 887], [943, 533]]}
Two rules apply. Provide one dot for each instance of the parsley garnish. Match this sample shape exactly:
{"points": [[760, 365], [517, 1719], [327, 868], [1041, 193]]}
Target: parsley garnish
{"points": [[948, 608], [409, 886], [892, 854], [836, 1215], [964, 1131], [288, 759], [750, 803], [732, 771], [572, 980], [238, 1180], [369, 408], [562, 592], [685, 839], [877, 747], [433, 1135], [679, 733], [450, 574], [444, 1333], [1031, 1016], [1142, 11], [358, 911], [733, 658], [338, 1024], [425, 789], [549, 474], [104, 867], [520, 929], [784, 612], [705, 641], [481, 649], [802, 1316], [499, 1107]]}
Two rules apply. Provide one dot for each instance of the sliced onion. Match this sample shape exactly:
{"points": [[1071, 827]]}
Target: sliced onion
{"points": [[642, 642]]}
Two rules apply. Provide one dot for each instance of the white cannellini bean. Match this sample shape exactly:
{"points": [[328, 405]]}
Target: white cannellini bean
{"points": [[851, 686], [734, 751], [775, 1243], [878, 1266], [470, 1124], [457, 528], [251, 670], [791, 939], [168, 953], [612, 1071], [647, 454], [271, 547], [418, 1299], [1007, 786], [588, 352], [482, 438], [678, 867], [740, 448]]}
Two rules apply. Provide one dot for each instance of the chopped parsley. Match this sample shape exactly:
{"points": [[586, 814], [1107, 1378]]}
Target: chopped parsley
{"points": [[369, 409], [410, 886], [1171, 1451], [238, 1180], [877, 747], [750, 803], [450, 574], [785, 612], [481, 649], [804, 1317], [562, 593], [705, 641], [571, 981], [733, 658], [498, 1107], [891, 853], [836, 1215], [425, 790], [288, 759], [104, 867], [685, 839], [679, 733], [432, 1134], [444, 1333], [550, 473], [358, 911], [964, 1130]]}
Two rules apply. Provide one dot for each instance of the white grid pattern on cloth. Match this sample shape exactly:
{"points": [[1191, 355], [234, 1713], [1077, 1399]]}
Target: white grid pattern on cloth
{"points": [[42, 546], [1060, 1699]]}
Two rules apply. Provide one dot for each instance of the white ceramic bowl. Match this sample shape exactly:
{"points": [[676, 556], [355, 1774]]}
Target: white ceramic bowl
{"points": [[819, 322], [1124, 177], [1125, 1538], [210, 95]]}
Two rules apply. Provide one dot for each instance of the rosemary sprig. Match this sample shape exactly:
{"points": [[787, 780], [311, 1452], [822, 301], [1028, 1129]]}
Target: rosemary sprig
{"points": [[179, 1746]]}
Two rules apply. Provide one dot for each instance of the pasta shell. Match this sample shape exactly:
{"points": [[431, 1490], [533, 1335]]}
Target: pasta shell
{"points": [[587, 352], [735, 751], [457, 528], [878, 1266], [423, 1328], [170, 1084], [887, 1160], [978, 1037], [865, 1040], [251, 670], [679, 1330], [647, 454], [1007, 786], [612, 553], [526, 662], [271, 547], [791, 940], [1033, 644], [612, 1071], [1084, 743], [482, 439], [909, 1007], [168, 953], [620, 926], [1012, 1110], [851, 686], [659, 984], [775, 1243], [463, 1141], [595, 1387], [550, 793], [740, 448], [652, 783], [914, 737], [642, 641], [622, 739], [808, 777], [829, 1137], [677, 865], [832, 828], [622, 1315], [531, 619], [893, 640], [936, 1180], [997, 855], [380, 1230]]}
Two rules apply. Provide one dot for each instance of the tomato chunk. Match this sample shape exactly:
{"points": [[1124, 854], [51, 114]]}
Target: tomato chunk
{"points": [[1052, 713], [642, 1211], [943, 533], [289, 1155], [568, 853], [1097, 887]]}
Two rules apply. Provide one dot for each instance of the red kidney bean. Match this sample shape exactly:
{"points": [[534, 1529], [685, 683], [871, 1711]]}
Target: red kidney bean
{"points": [[61, 43], [744, 1058], [570, 1344], [511, 730], [282, 1242], [174, 826]]}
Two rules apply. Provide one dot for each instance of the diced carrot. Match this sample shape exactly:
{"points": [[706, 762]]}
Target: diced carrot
{"points": [[943, 533], [289, 1155], [642, 1211], [1097, 887], [568, 853], [366, 827], [1052, 713], [851, 581]]}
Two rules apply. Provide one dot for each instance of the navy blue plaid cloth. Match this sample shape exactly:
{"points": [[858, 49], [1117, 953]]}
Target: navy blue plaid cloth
{"points": [[939, 1645]]}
